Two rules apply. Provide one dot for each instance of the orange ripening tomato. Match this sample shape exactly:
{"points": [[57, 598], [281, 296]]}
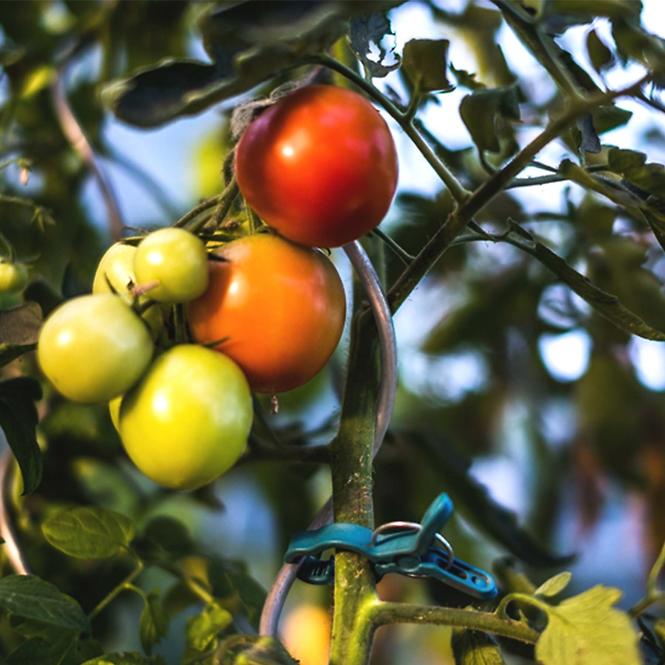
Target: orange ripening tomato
{"points": [[319, 166], [276, 308]]}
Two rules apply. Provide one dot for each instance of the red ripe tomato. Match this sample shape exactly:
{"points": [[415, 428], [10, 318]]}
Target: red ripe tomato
{"points": [[319, 166], [277, 308]]}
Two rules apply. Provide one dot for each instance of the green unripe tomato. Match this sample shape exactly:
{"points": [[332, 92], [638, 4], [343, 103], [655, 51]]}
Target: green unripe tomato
{"points": [[116, 270], [13, 277], [188, 419], [94, 348], [175, 261]]}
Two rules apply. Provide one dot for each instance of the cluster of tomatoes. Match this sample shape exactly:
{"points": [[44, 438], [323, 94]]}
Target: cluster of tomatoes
{"points": [[264, 312]]}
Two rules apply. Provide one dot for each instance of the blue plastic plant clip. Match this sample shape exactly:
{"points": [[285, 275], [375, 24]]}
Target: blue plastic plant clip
{"points": [[406, 548]]}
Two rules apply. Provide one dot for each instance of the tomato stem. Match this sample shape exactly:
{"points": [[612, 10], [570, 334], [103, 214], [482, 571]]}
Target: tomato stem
{"points": [[384, 613], [119, 588]]}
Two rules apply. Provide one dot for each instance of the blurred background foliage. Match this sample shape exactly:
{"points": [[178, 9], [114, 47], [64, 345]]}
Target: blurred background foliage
{"points": [[542, 420]]}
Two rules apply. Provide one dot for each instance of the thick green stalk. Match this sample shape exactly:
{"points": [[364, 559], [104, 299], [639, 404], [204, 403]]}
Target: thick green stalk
{"points": [[352, 492]]}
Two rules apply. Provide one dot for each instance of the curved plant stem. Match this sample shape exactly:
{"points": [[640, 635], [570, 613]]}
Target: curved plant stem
{"points": [[198, 209], [74, 133], [119, 588], [394, 247], [388, 613]]}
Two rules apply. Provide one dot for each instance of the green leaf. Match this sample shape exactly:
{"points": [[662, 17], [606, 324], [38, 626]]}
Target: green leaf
{"points": [[170, 535], [587, 630], [170, 89], [18, 420], [557, 15], [367, 31], [607, 118], [471, 647], [252, 650], [154, 622], [554, 586], [625, 161], [89, 533], [633, 42], [606, 304], [233, 584], [599, 54], [202, 630], [622, 193], [19, 331], [249, 42], [125, 658], [59, 650], [425, 63], [30, 597], [479, 112]]}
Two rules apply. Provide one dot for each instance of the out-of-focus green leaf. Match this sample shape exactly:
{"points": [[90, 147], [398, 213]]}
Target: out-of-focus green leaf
{"points": [[479, 112], [632, 165], [619, 191], [554, 586], [30, 597], [633, 42], [203, 629], [588, 630], [169, 535], [154, 622], [248, 649], [89, 533], [558, 15], [472, 647], [61, 650], [18, 420], [231, 581], [599, 54], [21, 325], [607, 118], [425, 63], [19, 331], [171, 88], [249, 42], [367, 31]]}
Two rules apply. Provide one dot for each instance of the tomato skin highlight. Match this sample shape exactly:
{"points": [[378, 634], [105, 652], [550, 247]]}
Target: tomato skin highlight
{"points": [[278, 309], [319, 166], [188, 419], [94, 348]]}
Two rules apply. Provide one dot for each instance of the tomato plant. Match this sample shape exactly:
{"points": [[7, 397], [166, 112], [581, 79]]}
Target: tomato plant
{"points": [[188, 419], [94, 348], [274, 307], [523, 258], [172, 265], [319, 166]]}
